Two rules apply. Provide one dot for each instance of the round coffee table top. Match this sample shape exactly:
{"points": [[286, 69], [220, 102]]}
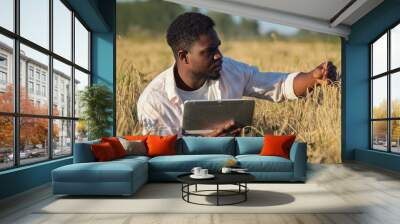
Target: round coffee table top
{"points": [[220, 178]]}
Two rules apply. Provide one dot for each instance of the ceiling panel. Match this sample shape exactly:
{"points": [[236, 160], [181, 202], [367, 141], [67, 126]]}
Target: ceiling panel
{"points": [[320, 9], [314, 15]]}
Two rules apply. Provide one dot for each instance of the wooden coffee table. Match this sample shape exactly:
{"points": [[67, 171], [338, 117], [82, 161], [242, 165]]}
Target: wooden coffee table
{"points": [[238, 179]]}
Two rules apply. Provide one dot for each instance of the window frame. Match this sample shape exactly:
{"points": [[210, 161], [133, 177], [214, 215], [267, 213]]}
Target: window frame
{"points": [[388, 74], [16, 114]]}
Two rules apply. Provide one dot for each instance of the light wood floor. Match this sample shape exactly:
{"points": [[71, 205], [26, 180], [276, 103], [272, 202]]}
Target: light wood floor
{"points": [[377, 188]]}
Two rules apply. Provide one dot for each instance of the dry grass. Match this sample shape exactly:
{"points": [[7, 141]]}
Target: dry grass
{"points": [[314, 119]]}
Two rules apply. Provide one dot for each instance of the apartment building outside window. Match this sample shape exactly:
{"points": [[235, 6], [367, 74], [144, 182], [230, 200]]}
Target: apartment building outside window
{"points": [[39, 66]]}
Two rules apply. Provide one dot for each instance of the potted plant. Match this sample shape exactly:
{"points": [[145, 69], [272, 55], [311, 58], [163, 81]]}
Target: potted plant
{"points": [[96, 102]]}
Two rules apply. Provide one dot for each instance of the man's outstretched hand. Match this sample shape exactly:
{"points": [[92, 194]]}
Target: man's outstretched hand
{"points": [[229, 129], [325, 73]]}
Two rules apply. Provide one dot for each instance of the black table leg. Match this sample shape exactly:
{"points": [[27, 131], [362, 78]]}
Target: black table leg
{"points": [[185, 188], [188, 190], [245, 193], [182, 189], [217, 194]]}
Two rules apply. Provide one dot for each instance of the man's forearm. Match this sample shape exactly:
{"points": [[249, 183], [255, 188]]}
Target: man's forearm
{"points": [[302, 82]]}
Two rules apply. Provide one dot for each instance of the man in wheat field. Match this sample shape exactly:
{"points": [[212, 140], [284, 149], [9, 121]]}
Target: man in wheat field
{"points": [[200, 72]]}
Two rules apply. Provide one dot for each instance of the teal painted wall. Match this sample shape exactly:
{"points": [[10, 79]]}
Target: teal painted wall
{"points": [[92, 12], [104, 53], [379, 159], [355, 97], [24, 178], [103, 63], [99, 16]]}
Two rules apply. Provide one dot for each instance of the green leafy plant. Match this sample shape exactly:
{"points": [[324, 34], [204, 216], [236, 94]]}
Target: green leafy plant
{"points": [[96, 102]]}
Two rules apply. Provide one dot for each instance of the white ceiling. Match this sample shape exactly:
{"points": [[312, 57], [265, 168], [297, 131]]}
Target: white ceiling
{"points": [[321, 9], [325, 16]]}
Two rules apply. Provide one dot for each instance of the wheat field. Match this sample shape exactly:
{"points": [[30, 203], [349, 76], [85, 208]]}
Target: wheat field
{"points": [[315, 119]]}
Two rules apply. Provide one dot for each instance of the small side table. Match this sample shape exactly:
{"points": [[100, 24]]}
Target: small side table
{"points": [[238, 179]]}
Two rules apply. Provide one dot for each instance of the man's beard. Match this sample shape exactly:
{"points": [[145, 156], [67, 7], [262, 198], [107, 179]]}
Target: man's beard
{"points": [[211, 75], [214, 75]]}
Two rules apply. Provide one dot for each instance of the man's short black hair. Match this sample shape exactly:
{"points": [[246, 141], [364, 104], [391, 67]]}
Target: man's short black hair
{"points": [[186, 29]]}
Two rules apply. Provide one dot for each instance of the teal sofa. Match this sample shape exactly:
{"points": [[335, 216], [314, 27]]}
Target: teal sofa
{"points": [[125, 176]]}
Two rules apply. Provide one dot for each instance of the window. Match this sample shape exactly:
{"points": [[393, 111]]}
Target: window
{"points": [[54, 125], [6, 73], [62, 31], [43, 77], [30, 87], [62, 75], [7, 14], [395, 47], [3, 81], [3, 61], [30, 72], [37, 74], [34, 21], [62, 130], [33, 148], [3, 78], [3, 70], [385, 97], [81, 81], [81, 45], [55, 95], [43, 90], [40, 62], [38, 89], [7, 141]]}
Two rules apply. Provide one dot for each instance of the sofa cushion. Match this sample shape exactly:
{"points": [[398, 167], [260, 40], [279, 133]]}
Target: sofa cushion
{"points": [[134, 147], [185, 163], [277, 145], [161, 145], [116, 145], [207, 145], [103, 152], [83, 152], [133, 158], [257, 163], [249, 145], [111, 171]]}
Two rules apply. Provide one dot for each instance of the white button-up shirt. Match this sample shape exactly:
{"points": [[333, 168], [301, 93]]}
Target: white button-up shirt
{"points": [[160, 109]]}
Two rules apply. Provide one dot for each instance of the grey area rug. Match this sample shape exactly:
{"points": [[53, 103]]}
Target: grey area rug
{"points": [[166, 198]]}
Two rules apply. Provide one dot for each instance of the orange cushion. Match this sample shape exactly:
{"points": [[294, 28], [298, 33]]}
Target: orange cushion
{"points": [[135, 137], [116, 145], [103, 151], [277, 145], [161, 145]]}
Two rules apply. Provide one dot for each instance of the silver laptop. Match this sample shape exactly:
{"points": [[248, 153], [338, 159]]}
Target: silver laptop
{"points": [[204, 116]]}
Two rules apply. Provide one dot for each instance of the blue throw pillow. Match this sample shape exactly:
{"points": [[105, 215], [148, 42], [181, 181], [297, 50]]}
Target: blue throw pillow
{"points": [[208, 145], [249, 145]]}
